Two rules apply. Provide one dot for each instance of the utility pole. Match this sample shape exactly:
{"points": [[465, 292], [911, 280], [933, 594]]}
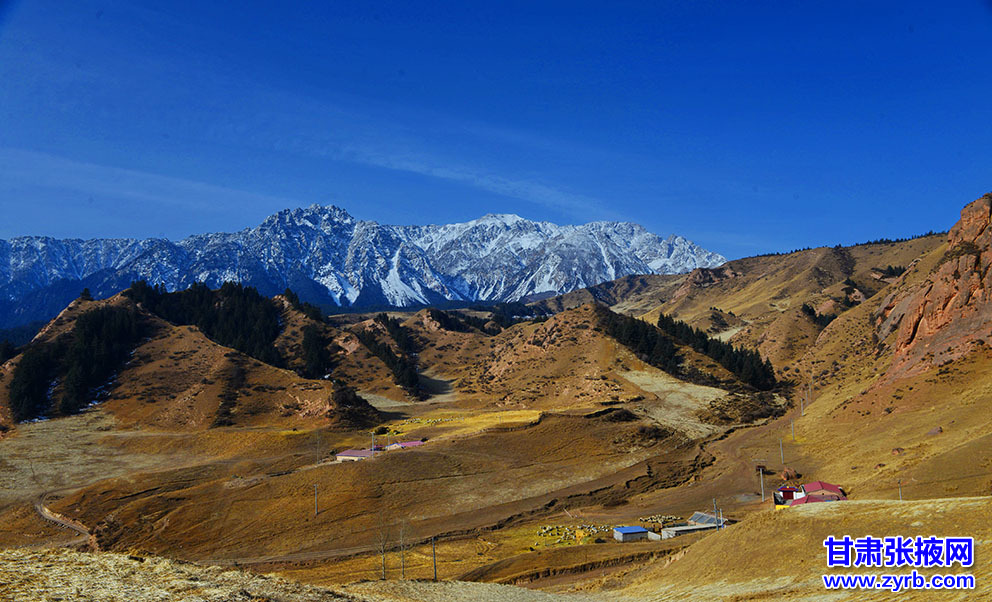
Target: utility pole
{"points": [[761, 479], [404, 534], [315, 511], [714, 506], [781, 451], [900, 490], [434, 554]]}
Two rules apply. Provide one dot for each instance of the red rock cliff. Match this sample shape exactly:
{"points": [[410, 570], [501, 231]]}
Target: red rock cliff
{"points": [[942, 318]]}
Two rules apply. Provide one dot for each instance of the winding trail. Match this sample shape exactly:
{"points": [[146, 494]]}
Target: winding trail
{"points": [[67, 523]]}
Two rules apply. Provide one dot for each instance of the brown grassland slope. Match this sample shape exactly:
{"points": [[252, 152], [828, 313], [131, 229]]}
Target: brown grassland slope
{"points": [[785, 558], [546, 421], [244, 493], [766, 293], [707, 569], [52, 575], [756, 301], [630, 294], [67, 575], [878, 417], [176, 379], [206, 512], [350, 361], [566, 362]]}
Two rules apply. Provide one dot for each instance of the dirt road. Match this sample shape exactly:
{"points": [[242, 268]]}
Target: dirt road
{"points": [[62, 521]]}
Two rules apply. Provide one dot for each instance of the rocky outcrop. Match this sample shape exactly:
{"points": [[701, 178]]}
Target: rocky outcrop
{"points": [[702, 278], [945, 316]]}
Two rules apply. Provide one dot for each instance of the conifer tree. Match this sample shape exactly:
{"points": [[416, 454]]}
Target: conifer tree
{"points": [[7, 350], [235, 315], [31, 381], [316, 359]]}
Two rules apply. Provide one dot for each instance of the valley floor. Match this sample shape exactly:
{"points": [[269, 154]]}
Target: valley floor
{"points": [[768, 555], [771, 555]]}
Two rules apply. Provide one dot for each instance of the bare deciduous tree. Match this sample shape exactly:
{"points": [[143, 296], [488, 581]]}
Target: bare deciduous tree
{"points": [[404, 542], [382, 540]]}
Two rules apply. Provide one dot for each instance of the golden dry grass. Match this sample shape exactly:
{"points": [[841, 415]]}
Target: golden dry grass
{"points": [[50, 575], [253, 508], [511, 444], [779, 554], [767, 292]]}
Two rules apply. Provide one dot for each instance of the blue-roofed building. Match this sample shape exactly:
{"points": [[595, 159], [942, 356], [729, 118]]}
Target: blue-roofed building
{"points": [[624, 534]]}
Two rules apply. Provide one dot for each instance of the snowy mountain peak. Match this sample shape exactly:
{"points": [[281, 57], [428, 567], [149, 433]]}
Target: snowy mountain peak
{"points": [[499, 218], [315, 216], [329, 257]]}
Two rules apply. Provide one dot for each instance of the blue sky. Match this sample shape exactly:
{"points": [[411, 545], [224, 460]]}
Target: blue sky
{"points": [[745, 126]]}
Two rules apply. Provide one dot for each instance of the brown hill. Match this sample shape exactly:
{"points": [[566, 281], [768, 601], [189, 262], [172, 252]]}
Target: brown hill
{"points": [[59, 327], [767, 293], [349, 360], [177, 378], [875, 389], [901, 383], [569, 362], [245, 493], [557, 418], [757, 301], [891, 405], [630, 294], [873, 422]]}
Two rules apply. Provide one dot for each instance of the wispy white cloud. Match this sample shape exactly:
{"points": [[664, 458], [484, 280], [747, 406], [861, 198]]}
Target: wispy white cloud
{"points": [[396, 138], [26, 170], [194, 100], [392, 142], [578, 205]]}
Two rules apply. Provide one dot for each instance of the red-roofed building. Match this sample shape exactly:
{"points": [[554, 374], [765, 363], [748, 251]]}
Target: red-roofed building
{"points": [[785, 494], [352, 455], [823, 488], [404, 445], [812, 499]]}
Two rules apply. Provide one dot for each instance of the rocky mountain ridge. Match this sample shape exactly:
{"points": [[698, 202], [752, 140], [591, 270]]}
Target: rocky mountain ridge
{"points": [[331, 258]]}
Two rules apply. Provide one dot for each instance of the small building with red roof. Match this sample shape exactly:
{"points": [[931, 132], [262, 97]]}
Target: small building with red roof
{"points": [[353, 455], [786, 493], [823, 488], [813, 499], [404, 445]]}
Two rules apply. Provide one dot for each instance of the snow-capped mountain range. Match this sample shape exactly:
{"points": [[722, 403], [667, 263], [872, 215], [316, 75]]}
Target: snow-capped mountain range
{"points": [[329, 257]]}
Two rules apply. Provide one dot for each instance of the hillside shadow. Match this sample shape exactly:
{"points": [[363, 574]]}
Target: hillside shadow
{"points": [[436, 386]]}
